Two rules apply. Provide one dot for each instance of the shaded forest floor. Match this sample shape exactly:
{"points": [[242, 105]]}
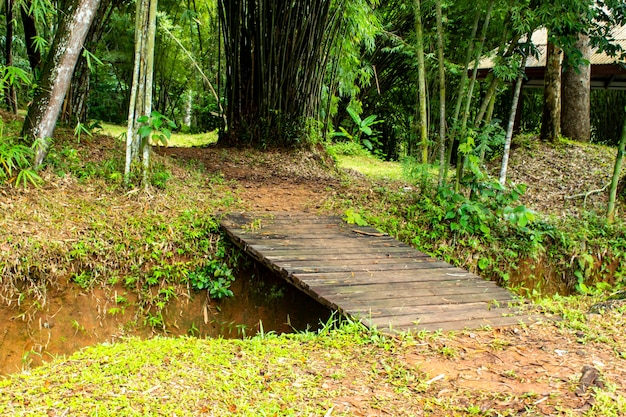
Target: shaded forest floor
{"points": [[523, 370]]}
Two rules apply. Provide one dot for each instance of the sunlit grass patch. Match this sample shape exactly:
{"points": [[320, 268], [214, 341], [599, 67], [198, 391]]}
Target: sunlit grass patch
{"points": [[177, 140], [372, 167]]}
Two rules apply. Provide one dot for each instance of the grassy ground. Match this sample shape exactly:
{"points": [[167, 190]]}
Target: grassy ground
{"points": [[185, 140], [339, 371], [83, 220]]}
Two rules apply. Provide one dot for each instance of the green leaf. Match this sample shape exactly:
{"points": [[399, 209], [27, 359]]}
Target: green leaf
{"points": [[144, 131], [352, 217], [483, 263], [355, 116], [143, 119]]}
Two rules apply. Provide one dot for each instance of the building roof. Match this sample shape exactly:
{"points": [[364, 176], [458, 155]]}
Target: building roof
{"points": [[607, 72]]}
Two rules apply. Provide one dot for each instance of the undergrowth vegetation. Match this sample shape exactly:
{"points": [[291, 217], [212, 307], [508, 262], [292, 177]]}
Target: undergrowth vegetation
{"points": [[485, 228], [157, 246], [16, 160]]}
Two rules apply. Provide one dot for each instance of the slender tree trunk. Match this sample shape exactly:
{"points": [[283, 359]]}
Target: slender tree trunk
{"points": [[141, 89], [421, 74], [487, 100], [470, 93], [481, 44], [619, 159], [57, 74], [10, 94], [132, 139], [576, 96], [30, 33], [551, 117], [509, 130], [461, 91], [442, 94], [147, 146]]}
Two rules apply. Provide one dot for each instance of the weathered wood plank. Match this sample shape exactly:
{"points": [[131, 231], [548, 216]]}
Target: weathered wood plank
{"points": [[465, 324], [390, 267], [323, 242], [445, 272], [337, 256], [464, 314], [349, 250], [369, 301], [386, 292]]}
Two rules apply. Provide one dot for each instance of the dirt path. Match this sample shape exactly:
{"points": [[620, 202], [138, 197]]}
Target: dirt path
{"points": [[263, 181]]}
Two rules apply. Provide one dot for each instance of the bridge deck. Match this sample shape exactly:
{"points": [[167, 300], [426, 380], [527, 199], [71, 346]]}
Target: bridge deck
{"points": [[370, 276]]}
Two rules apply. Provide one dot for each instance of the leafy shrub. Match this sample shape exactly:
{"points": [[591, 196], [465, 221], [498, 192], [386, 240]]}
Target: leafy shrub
{"points": [[215, 277], [160, 176], [347, 148], [16, 163]]}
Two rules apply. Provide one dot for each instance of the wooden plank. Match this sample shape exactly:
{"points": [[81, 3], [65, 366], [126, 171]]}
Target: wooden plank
{"points": [[366, 303], [271, 252], [403, 287], [459, 315], [466, 324], [324, 242], [408, 289], [444, 272], [439, 311], [358, 263], [354, 256], [389, 268]]}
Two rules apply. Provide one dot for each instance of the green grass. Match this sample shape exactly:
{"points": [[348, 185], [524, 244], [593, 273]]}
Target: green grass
{"points": [[266, 375], [372, 167], [178, 140], [342, 370]]}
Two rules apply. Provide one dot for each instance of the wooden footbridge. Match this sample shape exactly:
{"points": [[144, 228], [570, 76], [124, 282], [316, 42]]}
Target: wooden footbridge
{"points": [[370, 276]]}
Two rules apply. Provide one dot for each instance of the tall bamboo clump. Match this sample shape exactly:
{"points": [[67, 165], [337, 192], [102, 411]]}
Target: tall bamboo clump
{"points": [[276, 56]]}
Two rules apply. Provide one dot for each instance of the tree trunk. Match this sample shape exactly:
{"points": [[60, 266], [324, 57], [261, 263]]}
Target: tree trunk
{"points": [[76, 106], [442, 94], [621, 151], [460, 166], [509, 130], [460, 94], [576, 96], [138, 146], [479, 51], [551, 117], [57, 74], [10, 94], [30, 33], [487, 100], [421, 75]]}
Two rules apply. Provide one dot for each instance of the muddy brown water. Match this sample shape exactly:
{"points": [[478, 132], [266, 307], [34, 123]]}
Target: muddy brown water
{"points": [[72, 319]]}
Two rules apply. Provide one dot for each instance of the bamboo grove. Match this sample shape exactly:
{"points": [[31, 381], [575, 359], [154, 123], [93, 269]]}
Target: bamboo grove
{"points": [[399, 76]]}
